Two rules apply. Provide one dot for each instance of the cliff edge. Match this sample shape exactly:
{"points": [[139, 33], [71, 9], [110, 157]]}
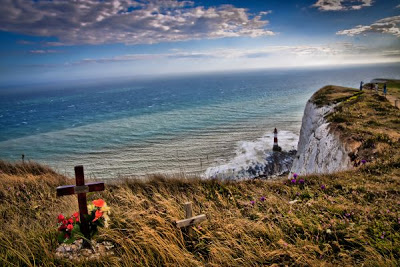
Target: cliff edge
{"points": [[319, 150], [345, 127]]}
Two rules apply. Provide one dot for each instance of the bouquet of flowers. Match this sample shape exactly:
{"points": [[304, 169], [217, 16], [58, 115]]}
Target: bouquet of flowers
{"points": [[70, 229]]}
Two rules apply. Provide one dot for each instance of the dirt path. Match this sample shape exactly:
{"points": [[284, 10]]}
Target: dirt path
{"points": [[392, 100]]}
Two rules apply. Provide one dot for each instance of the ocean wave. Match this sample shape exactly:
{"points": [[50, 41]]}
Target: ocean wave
{"points": [[255, 158]]}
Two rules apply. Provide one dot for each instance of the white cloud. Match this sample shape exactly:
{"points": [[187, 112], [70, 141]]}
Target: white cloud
{"points": [[128, 21], [341, 5], [390, 25], [43, 51]]}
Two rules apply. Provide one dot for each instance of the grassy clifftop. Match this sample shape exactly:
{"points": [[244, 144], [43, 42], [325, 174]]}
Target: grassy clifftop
{"points": [[348, 218]]}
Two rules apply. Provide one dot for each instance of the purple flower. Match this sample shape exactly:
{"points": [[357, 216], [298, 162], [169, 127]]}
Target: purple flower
{"points": [[347, 215], [301, 181], [363, 161], [382, 236], [252, 202], [262, 198], [295, 175], [323, 187], [293, 181]]}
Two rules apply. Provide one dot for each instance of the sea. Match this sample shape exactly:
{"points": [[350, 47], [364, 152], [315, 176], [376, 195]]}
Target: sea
{"points": [[195, 124]]}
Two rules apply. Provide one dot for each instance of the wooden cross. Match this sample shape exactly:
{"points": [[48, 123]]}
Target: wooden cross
{"points": [[81, 189], [189, 220]]}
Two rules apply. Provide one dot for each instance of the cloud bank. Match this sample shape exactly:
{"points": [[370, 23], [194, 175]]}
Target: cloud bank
{"points": [[390, 25], [128, 21], [342, 5], [223, 53]]}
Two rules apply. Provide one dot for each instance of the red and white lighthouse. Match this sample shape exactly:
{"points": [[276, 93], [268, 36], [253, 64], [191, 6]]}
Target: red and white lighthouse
{"points": [[276, 147]]}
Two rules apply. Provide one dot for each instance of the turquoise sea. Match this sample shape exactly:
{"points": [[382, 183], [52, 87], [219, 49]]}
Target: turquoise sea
{"points": [[196, 124]]}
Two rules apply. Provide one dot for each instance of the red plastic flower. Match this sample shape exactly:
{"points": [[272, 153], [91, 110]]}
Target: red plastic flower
{"points": [[64, 222], [60, 218], [70, 227], [99, 203], [76, 216], [97, 215], [70, 220]]}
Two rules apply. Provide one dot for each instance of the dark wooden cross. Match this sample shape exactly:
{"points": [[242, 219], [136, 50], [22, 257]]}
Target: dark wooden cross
{"points": [[81, 189]]}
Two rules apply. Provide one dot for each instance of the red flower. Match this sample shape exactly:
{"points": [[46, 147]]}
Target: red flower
{"points": [[60, 218], [62, 227], [99, 202], [97, 215], [70, 220], [70, 227], [64, 222], [76, 216]]}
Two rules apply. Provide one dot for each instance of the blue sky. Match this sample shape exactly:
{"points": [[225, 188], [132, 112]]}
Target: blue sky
{"points": [[45, 41]]}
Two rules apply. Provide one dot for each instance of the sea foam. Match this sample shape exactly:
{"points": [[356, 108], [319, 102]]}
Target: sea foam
{"points": [[255, 158]]}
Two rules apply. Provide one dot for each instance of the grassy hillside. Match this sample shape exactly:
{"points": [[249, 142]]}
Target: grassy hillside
{"points": [[344, 219]]}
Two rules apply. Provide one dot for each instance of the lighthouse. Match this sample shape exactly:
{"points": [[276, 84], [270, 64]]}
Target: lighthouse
{"points": [[276, 147]]}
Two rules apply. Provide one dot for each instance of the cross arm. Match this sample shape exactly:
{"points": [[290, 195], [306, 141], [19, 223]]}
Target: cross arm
{"points": [[73, 189], [191, 221]]}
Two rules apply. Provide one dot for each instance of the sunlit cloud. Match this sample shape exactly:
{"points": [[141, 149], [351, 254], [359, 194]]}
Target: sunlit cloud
{"points": [[129, 22], [390, 25], [342, 5]]}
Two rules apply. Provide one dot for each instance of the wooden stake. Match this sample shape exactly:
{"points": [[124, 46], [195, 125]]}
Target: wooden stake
{"points": [[188, 214]]}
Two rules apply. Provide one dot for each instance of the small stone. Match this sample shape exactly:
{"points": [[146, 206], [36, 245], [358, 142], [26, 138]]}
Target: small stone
{"points": [[102, 250], [86, 252]]}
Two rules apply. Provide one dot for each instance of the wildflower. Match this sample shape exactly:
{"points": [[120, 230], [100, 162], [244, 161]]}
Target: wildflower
{"points": [[70, 227], [97, 215], [98, 203], [293, 181], [252, 202], [323, 187], [295, 175], [301, 181], [60, 218], [363, 161], [262, 198]]}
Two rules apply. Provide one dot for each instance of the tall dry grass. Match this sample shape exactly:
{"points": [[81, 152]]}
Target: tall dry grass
{"points": [[339, 226]]}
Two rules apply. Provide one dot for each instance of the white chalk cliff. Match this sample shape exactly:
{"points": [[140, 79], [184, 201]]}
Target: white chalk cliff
{"points": [[319, 150]]}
